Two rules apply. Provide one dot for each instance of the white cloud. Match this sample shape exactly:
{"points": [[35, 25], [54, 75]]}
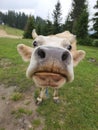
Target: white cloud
{"points": [[41, 8], [27, 11], [91, 4]]}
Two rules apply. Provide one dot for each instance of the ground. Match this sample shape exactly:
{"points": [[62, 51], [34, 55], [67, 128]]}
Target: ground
{"points": [[3, 33], [17, 115]]}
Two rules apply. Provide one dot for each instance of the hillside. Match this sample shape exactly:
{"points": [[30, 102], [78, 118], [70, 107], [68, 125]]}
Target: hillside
{"points": [[6, 31]]}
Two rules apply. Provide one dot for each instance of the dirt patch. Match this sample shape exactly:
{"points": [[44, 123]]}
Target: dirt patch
{"points": [[5, 63], [93, 60], [9, 118], [4, 34]]}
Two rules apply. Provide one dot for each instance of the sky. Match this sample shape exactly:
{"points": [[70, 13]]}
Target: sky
{"points": [[42, 8]]}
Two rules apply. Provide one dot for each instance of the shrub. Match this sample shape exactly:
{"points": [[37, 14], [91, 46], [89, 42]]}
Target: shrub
{"points": [[95, 42], [86, 41]]}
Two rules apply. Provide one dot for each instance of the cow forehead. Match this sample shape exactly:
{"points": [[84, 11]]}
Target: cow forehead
{"points": [[52, 40]]}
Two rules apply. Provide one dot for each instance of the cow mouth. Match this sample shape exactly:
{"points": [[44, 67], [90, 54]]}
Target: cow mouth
{"points": [[49, 79]]}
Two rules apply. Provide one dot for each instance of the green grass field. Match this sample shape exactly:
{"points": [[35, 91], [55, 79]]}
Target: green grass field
{"points": [[78, 109], [11, 31]]}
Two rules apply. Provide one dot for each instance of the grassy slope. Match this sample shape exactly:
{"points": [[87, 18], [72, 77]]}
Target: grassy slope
{"points": [[11, 31], [11, 63], [78, 109]]}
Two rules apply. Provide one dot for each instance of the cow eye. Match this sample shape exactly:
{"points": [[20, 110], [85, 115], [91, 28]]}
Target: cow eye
{"points": [[69, 47], [35, 43]]}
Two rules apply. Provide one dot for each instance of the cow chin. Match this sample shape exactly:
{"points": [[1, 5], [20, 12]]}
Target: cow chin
{"points": [[49, 79]]}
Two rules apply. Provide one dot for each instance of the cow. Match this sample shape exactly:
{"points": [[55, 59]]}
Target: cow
{"points": [[51, 61]]}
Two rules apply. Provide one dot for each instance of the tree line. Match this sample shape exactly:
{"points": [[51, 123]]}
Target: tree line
{"points": [[14, 19], [76, 22]]}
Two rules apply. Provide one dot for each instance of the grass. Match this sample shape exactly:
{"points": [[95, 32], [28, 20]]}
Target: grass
{"points": [[16, 96], [2, 128], [11, 64], [78, 109], [11, 31], [36, 123], [20, 112]]}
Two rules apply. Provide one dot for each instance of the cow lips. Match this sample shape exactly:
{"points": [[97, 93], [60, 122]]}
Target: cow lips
{"points": [[48, 79]]}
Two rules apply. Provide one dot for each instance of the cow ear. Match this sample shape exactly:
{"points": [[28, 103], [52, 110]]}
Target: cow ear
{"points": [[24, 51], [78, 56], [34, 34]]}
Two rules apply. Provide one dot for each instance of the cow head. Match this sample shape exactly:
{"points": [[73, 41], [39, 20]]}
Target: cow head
{"points": [[52, 59]]}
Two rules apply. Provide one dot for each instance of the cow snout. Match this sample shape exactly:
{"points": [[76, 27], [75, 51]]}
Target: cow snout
{"points": [[46, 53], [53, 66]]}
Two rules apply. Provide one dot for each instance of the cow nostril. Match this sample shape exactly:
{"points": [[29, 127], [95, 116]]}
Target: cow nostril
{"points": [[41, 53], [65, 56]]}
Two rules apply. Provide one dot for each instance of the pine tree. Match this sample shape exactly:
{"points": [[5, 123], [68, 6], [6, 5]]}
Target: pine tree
{"points": [[95, 19], [48, 27], [57, 18], [82, 24], [78, 6], [40, 25], [11, 18], [77, 9], [68, 24], [29, 27]]}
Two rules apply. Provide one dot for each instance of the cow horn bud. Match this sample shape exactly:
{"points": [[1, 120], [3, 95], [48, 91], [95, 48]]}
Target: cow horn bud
{"points": [[34, 34]]}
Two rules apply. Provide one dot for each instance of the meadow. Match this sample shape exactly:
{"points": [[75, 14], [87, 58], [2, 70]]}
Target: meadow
{"points": [[78, 108], [11, 31]]}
